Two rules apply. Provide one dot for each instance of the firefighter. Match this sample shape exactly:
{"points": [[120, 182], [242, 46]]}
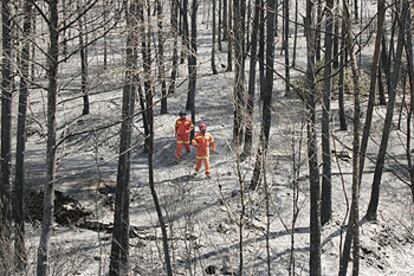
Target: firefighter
{"points": [[183, 127], [202, 142]]}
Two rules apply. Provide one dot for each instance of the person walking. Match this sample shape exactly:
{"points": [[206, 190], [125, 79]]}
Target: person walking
{"points": [[202, 142], [183, 127]]}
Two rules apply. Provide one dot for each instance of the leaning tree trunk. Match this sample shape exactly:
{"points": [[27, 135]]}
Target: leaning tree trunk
{"points": [[326, 206], [5, 156], [315, 226], [119, 258], [48, 192], [20, 254], [375, 69], [373, 203]]}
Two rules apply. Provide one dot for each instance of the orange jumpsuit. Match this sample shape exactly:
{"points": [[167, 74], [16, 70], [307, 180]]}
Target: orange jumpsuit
{"points": [[183, 128], [202, 142]]}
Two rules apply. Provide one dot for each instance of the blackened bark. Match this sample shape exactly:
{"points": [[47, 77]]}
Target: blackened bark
{"points": [[84, 60], [175, 31], [48, 206], [375, 72], [374, 200], [267, 99], [184, 31], [238, 88], [286, 44], [213, 46], [352, 235], [5, 156], [315, 226], [119, 258], [230, 37], [146, 59], [342, 66], [20, 254], [326, 206], [295, 37], [192, 64], [164, 100], [248, 138], [261, 55]]}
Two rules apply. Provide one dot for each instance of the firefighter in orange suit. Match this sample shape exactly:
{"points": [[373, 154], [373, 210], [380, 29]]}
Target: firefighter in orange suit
{"points": [[202, 142], [183, 127]]}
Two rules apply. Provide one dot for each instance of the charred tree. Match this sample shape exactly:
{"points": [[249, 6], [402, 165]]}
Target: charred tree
{"points": [[248, 138], [6, 152], [48, 206], [315, 225], [374, 200], [119, 258], [326, 204], [20, 254], [267, 97], [213, 46]]}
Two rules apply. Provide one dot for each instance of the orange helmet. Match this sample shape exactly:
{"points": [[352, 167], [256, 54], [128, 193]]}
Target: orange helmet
{"points": [[202, 126]]}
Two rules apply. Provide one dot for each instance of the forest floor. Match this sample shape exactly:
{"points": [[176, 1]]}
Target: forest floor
{"points": [[202, 213]]}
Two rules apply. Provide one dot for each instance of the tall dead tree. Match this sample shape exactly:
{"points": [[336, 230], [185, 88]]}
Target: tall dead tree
{"points": [[267, 96], [410, 59], [374, 200], [192, 63], [326, 206], [230, 36], [286, 35], [5, 156], [161, 63], [352, 234], [248, 137], [48, 191], [238, 84], [375, 70], [315, 226], [19, 183], [213, 43], [119, 258], [83, 57], [175, 32], [261, 53]]}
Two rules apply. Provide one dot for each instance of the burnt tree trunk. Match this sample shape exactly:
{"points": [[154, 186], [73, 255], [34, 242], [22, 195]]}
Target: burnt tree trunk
{"points": [[326, 206], [48, 207], [5, 156], [161, 65], [20, 254], [213, 46], [119, 258], [267, 97], [375, 72], [248, 138], [374, 200], [315, 226]]}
